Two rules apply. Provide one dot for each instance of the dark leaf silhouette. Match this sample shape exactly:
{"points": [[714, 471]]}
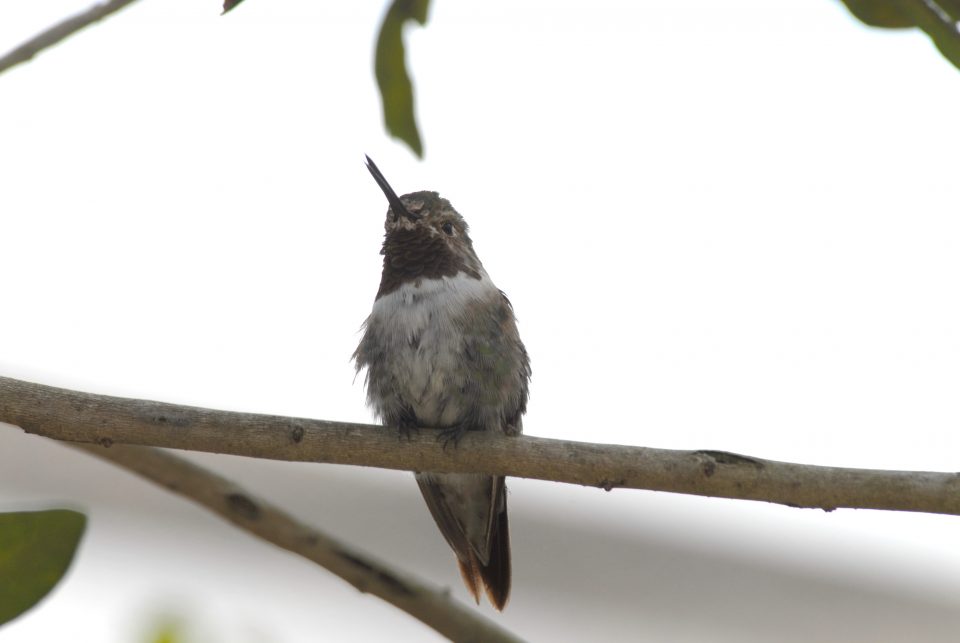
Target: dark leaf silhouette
{"points": [[393, 79], [36, 548], [937, 18]]}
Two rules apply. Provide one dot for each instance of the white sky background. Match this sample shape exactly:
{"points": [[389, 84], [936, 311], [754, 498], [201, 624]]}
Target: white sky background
{"points": [[730, 227]]}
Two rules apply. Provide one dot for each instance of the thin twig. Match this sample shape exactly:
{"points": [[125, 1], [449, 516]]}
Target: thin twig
{"points": [[83, 417], [431, 605], [59, 31]]}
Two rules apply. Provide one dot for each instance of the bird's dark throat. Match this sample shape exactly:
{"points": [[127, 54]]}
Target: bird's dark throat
{"points": [[411, 255]]}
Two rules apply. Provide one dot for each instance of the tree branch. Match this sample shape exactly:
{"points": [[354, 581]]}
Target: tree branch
{"points": [[431, 605], [60, 31], [83, 417]]}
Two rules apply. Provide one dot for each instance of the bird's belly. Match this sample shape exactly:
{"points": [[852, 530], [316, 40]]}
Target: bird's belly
{"points": [[431, 381], [416, 348]]}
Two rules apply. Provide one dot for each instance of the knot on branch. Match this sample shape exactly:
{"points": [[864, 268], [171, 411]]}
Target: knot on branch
{"points": [[243, 505], [386, 578], [710, 460]]}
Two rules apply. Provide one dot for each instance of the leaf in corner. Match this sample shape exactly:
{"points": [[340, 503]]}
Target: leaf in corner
{"points": [[229, 4], [393, 79], [938, 18], [879, 13], [36, 548]]}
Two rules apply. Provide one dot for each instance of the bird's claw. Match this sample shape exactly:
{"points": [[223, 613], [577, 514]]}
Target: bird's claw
{"points": [[405, 431], [453, 434]]}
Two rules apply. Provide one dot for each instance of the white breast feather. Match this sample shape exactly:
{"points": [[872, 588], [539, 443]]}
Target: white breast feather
{"points": [[418, 321]]}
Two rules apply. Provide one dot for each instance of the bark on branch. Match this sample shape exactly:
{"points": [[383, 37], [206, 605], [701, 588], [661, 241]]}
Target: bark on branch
{"points": [[59, 31], [432, 606], [82, 417]]}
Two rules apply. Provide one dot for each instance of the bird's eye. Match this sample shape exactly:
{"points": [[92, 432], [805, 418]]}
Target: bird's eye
{"points": [[447, 228]]}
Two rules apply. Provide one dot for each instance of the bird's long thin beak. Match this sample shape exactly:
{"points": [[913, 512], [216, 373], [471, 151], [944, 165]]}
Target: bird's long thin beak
{"points": [[395, 204]]}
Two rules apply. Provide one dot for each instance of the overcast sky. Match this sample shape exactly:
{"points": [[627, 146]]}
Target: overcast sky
{"points": [[722, 225]]}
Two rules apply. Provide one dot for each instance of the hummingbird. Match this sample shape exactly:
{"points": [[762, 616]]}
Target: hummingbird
{"points": [[441, 350]]}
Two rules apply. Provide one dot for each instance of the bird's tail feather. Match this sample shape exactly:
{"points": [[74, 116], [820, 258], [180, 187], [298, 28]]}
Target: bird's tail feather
{"points": [[494, 577], [496, 573], [447, 497]]}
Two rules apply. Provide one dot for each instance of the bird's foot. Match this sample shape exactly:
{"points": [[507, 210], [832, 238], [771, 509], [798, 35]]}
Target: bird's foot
{"points": [[453, 434], [406, 429]]}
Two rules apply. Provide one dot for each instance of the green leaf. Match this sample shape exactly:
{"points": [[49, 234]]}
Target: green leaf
{"points": [[170, 630], [879, 13], [229, 4], [36, 548], [396, 90], [937, 18]]}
